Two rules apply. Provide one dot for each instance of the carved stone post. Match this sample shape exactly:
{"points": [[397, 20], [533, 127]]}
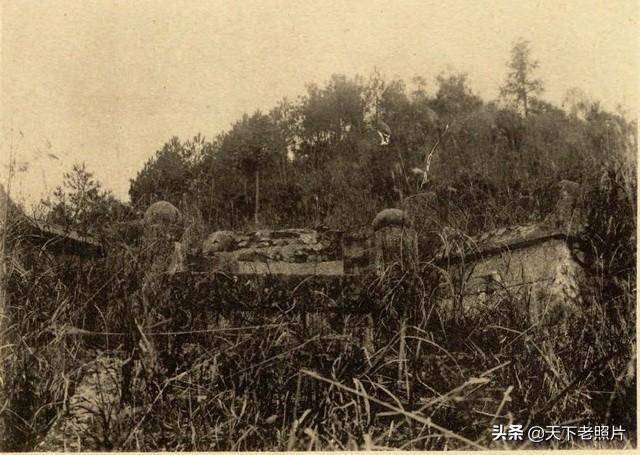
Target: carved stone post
{"points": [[161, 228], [396, 241]]}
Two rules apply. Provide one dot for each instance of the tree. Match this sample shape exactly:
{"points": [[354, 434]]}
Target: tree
{"points": [[454, 97], [331, 115], [521, 84], [251, 144], [80, 202], [287, 119], [166, 176]]}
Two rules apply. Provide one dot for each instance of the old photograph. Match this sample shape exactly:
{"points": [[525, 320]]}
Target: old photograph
{"points": [[318, 225]]}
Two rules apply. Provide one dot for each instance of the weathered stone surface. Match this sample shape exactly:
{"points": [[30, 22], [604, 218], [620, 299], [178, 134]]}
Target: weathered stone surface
{"points": [[287, 245], [262, 236], [530, 265], [390, 218], [157, 249], [224, 262], [250, 254], [396, 245], [457, 246], [55, 238], [162, 212], [218, 242], [221, 262], [298, 252], [569, 189], [537, 259], [567, 215], [309, 237], [295, 233], [290, 268]]}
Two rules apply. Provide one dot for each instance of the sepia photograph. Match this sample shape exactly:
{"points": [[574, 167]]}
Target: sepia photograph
{"points": [[355, 225]]}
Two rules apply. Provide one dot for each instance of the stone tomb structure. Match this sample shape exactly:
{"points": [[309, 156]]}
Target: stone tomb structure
{"points": [[537, 263], [534, 266], [316, 271], [537, 266], [540, 261], [28, 239]]}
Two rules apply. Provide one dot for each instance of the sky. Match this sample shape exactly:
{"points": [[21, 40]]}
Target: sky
{"points": [[108, 83]]}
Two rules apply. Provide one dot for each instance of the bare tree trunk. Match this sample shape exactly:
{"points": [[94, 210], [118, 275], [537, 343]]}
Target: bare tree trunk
{"points": [[257, 208]]}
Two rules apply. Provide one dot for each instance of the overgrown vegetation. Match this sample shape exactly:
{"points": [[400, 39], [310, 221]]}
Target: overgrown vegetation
{"points": [[227, 365]]}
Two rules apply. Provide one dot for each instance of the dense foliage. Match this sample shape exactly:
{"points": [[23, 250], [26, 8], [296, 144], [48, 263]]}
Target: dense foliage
{"points": [[318, 160]]}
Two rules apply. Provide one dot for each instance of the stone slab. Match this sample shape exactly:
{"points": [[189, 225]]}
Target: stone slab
{"points": [[332, 268]]}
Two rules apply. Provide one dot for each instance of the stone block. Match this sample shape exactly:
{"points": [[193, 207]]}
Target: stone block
{"points": [[219, 241], [396, 245]]}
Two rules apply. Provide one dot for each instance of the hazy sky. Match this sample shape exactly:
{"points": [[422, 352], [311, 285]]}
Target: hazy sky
{"points": [[109, 82]]}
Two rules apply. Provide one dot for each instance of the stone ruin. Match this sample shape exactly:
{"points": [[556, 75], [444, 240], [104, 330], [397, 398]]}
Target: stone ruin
{"points": [[535, 262], [302, 251], [27, 234], [541, 260], [286, 251], [540, 264]]}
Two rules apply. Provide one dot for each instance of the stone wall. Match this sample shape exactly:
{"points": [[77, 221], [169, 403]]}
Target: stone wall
{"points": [[534, 265], [543, 277]]}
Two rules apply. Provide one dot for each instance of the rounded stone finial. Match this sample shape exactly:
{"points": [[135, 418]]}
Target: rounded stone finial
{"points": [[390, 218], [162, 212]]}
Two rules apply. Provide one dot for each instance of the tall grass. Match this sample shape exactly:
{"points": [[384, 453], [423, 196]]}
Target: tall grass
{"points": [[230, 364], [262, 380]]}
